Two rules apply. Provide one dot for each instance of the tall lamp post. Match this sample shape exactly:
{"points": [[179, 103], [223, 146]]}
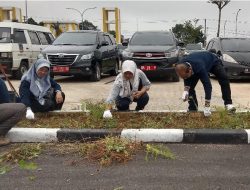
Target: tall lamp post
{"points": [[81, 13], [237, 21]]}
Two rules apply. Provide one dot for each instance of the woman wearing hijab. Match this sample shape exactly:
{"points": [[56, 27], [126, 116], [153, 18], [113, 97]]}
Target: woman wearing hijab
{"points": [[131, 85], [38, 91]]}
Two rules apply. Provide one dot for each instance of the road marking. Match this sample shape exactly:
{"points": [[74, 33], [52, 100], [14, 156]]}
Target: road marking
{"points": [[32, 135], [153, 135], [248, 135]]}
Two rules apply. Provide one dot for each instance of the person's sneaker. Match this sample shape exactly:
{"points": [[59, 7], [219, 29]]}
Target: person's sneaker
{"points": [[230, 108], [4, 141]]}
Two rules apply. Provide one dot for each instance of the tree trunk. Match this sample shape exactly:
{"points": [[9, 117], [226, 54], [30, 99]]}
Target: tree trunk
{"points": [[218, 32]]}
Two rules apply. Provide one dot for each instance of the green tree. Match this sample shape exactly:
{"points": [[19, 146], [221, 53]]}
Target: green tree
{"points": [[188, 33], [220, 4], [113, 33], [87, 26]]}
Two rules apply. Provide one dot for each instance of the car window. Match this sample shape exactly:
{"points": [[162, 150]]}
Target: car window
{"points": [[216, 46], [210, 45], [4, 35], [76, 38], [152, 39], [236, 45], [19, 37], [101, 38], [34, 38], [43, 38], [107, 38], [193, 47], [51, 37]]}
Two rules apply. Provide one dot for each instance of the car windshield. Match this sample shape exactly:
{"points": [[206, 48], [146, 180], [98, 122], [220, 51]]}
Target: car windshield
{"points": [[193, 47], [4, 35], [152, 39], [79, 38], [236, 45]]}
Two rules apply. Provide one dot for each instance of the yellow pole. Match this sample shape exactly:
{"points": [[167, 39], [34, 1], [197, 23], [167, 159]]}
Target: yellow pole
{"points": [[13, 13], [117, 25]]}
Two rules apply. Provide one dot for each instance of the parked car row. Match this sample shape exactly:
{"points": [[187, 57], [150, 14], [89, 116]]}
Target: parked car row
{"points": [[91, 53]]}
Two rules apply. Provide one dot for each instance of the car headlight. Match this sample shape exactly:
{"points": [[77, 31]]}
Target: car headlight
{"points": [[40, 56], [126, 53], [6, 54], [172, 53], [228, 58], [87, 56]]}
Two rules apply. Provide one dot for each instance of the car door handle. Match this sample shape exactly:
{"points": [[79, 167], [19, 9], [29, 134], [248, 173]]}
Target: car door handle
{"points": [[27, 48]]}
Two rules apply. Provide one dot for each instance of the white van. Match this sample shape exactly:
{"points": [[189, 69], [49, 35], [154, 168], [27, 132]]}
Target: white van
{"points": [[20, 44]]}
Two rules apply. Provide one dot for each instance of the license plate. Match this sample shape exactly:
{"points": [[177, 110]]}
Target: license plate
{"points": [[58, 69], [148, 68]]}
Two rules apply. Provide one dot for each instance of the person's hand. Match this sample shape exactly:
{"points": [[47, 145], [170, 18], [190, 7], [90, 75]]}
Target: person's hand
{"points": [[137, 94], [59, 98], [185, 96], [30, 114], [207, 111], [107, 114]]}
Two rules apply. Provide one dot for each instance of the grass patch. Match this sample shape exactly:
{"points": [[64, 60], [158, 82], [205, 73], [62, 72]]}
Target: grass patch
{"points": [[105, 152], [21, 153], [120, 120], [110, 150], [158, 150]]}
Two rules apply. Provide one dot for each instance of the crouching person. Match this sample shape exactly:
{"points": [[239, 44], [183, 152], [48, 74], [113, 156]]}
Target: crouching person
{"points": [[38, 91], [131, 85]]}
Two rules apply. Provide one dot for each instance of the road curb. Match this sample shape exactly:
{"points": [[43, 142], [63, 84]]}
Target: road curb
{"points": [[204, 136]]}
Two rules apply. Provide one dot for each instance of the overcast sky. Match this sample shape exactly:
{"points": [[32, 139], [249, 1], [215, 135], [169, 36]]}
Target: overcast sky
{"points": [[144, 15]]}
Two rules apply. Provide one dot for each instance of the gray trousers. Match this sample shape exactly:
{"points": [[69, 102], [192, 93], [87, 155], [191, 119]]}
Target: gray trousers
{"points": [[10, 115]]}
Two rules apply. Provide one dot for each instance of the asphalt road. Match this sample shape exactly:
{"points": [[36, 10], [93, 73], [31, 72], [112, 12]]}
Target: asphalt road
{"points": [[196, 167]]}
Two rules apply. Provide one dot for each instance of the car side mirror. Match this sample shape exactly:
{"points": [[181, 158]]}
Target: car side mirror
{"points": [[181, 44], [125, 44], [104, 43], [219, 53]]}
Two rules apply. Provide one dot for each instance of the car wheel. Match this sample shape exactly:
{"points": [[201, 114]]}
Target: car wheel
{"points": [[21, 70], [96, 74], [115, 71]]}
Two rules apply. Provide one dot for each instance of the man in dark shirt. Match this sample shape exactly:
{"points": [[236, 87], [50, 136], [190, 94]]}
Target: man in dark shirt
{"points": [[197, 66]]}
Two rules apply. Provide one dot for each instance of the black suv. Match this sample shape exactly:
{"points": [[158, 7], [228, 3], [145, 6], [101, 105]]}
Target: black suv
{"points": [[154, 52], [235, 55], [83, 53]]}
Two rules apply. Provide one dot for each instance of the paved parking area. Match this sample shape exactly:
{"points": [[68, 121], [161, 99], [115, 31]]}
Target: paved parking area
{"points": [[164, 95]]}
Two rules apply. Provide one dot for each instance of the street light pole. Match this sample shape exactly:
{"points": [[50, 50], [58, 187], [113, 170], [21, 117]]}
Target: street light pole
{"points": [[237, 21], [26, 11], [81, 13], [225, 28]]}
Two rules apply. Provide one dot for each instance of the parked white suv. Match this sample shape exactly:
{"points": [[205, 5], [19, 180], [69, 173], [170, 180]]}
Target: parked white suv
{"points": [[20, 44]]}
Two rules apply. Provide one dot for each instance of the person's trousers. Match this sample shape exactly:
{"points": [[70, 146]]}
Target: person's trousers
{"points": [[4, 94], [53, 105], [11, 114], [220, 73], [122, 104]]}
